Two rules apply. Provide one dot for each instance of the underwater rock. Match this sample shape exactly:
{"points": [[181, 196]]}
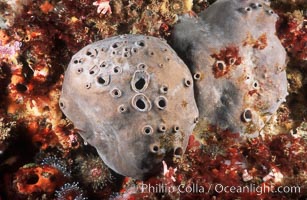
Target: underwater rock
{"points": [[238, 64], [132, 98]]}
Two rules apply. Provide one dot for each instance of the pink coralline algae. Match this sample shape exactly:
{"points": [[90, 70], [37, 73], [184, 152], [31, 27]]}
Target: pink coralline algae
{"points": [[103, 6], [9, 50], [238, 64]]}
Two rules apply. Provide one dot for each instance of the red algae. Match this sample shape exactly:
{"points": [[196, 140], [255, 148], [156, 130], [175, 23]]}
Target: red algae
{"points": [[292, 33], [225, 60]]}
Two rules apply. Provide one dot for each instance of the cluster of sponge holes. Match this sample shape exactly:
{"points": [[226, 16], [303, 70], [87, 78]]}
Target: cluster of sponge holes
{"points": [[124, 52], [148, 130], [76, 61], [92, 53], [115, 49], [79, 70], [139, 83], [254, 6], [127, 52], [251, 81]]}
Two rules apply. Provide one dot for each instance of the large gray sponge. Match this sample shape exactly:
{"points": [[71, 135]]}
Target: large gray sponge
{"points": [[238, 64], [132, 98]]}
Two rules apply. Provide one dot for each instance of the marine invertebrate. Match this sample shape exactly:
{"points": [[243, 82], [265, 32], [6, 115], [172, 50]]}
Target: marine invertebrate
{"points": [[57, 163], [92, 172], [70, 191], [132, 98], [238, 64], [184, 6], [37, 179]]}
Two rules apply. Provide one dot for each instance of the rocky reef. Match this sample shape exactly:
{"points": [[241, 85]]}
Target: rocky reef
{"points": [[42, 155], [238, 64], [131, 97]]}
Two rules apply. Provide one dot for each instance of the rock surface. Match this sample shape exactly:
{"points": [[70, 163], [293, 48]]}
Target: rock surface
{"points": [[132, 98], [238, 64]]}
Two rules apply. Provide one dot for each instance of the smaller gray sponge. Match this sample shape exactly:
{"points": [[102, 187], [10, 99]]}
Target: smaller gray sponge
{"points": [[238, 64]]}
